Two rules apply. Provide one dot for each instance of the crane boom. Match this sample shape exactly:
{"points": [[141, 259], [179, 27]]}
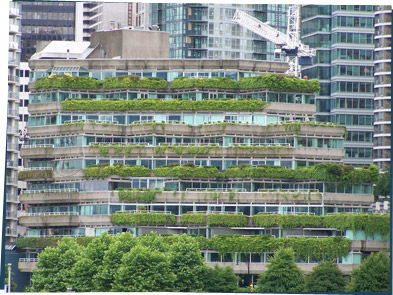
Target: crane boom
{"points": [[289, 42]]}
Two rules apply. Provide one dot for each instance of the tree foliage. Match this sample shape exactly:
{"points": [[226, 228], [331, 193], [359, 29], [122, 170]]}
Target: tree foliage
{"points": [[325, 277], [282, 274], [187, 264], [54, 272], [382, 186], [221, 280], [144, 270], [373, 275]]}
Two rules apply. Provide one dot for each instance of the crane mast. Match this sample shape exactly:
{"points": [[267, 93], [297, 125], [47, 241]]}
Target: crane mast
{"points": [[297, 54]]}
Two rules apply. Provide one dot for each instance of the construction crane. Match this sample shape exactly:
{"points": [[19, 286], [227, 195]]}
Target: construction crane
{"points": [[297, 53]]}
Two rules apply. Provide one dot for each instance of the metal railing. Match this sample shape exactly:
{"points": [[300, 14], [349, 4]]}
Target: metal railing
{"points": [[37, 168], [12, 78], [216, 190], [12, 129], [14, 28], [28, 259], [12, 94], [259, 144], [13, 45], [11, 198], [14, 11], [295, 190], [28, 146], [12, 180], [144, 211], [62, 190], [119, 143], [12, 163], [48, 214], [12, 112], [13, 146]]}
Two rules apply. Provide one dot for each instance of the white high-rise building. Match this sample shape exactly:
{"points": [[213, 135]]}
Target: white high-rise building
{"points": [[14, 51]]}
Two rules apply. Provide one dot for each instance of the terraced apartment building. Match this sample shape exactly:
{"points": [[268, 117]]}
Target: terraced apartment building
{"points": [[188, 146]]}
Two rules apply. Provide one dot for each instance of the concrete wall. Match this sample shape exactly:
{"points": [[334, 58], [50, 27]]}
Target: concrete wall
{"points": [[130, 44]]}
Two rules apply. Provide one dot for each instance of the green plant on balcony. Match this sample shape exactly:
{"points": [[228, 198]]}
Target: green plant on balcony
{"points": [[130, 218], [34, 174], [226, 220], [193, 219], [164, 105], [140, 195]]}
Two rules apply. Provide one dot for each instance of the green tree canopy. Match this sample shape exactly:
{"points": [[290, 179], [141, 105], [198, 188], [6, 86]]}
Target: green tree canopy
{"points": [[144, 270], [221, 279], [88, 263], [187, 264], [282, 274], [325, 277], [55, 266], [373, 275], [382, 187], [111, 261]]}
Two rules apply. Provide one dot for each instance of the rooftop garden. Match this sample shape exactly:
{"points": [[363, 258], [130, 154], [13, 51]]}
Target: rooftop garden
{"points": [[330, 172], [164, 105], [273, 82]]}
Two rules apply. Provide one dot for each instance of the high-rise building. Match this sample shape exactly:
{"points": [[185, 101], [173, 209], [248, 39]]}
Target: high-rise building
{"points": [[343, 36], [67, 21], [201, 30], [14, 52], [46, 21], [382, 86]]}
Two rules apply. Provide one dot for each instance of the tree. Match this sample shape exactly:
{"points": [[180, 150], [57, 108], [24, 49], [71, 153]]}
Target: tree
{"points": [[282, 274], [382, 187], [54, 267], [144, 270], [187, 264], [220, 279], [88, 263], [373, 275], [325, 277], [111, 261]]}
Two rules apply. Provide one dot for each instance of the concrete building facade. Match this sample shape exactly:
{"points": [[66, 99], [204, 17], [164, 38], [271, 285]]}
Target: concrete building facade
{"points": [[66, 143]]}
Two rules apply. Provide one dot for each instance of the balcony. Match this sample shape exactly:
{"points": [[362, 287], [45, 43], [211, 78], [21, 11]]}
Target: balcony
{"points": [[27, 264], [14, 29], [12, 113], [13, 147], [49, 219], [13, 45], [12, 164], [12, 198], [11, 181], [14, 12], [13, 79], [11, 215], [13, 95], [12, 130]]}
